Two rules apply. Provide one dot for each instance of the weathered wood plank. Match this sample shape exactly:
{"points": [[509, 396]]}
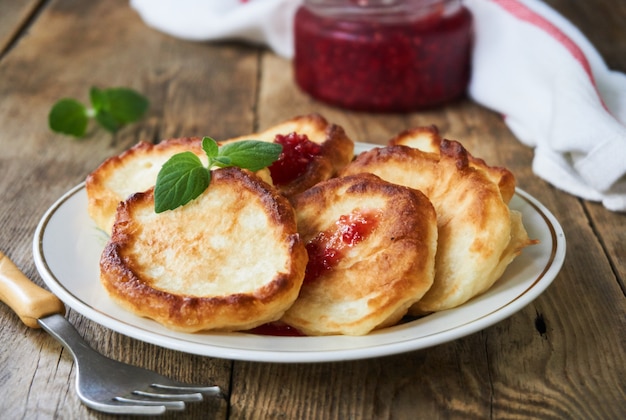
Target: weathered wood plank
{"points": [[14, 16], [602, 22]]}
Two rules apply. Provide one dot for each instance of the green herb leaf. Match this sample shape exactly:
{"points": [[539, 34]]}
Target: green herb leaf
{"points": [[107, 121], [98, 99], [222, 161], [210, 147], [181, 179], [125, 105], [68, 116], [251, 154], [112, 109]]}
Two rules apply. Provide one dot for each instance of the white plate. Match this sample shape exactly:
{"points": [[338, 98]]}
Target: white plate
{"points": [[67, 247]]}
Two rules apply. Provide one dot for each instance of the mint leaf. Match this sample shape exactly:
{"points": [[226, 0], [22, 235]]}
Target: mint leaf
{"points": [[125, 105], [107, 121], [222, 161], [68, 116], [111, 108], [181, 179], [210, 147], [115, 107], [251, 154], [98, 99]]}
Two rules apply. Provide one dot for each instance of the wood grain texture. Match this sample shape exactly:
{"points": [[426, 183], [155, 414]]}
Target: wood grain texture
{"points": [[562, 356], [14, 18]]}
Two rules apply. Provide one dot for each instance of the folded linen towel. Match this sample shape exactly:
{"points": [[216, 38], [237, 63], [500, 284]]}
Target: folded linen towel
{"points": [[530, 64], [556, 95], [265, 22]]}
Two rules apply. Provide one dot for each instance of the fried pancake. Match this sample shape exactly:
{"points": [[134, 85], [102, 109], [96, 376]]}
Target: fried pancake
{"points": [[371, 248], [229, 260], [335, 152], [478, 234], [428, 140], [134, 170]]}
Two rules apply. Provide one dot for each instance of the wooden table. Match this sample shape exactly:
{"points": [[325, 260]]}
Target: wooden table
{"points": [[562, 356]]}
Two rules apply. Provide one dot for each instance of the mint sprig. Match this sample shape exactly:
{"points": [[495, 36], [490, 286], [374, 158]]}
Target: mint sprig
{"points": [[183, 177], [111, 108]]}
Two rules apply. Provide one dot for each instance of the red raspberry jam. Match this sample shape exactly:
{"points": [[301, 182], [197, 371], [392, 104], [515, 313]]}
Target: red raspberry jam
{"points": [[328, 247], [276, 329], [298, 151], [383, 55]]}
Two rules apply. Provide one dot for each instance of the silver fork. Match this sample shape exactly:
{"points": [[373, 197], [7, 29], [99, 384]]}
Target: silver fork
{"points": [[102, 383]]}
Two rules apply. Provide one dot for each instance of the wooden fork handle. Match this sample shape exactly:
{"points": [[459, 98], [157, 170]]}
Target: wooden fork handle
{"points": [[29, 301]]}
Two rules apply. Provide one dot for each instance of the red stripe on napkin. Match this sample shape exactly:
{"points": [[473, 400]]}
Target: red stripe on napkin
{"points": [[522, 12]]}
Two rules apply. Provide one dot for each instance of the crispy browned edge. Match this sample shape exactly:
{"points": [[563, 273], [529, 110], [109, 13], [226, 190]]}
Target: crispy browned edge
{"points": [[337, 151], [451, 153], [502, 177], [409, 225], [195, 313], [101, 201]]}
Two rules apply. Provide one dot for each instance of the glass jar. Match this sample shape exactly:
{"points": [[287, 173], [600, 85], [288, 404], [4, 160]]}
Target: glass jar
{"points": [[383, 55]]}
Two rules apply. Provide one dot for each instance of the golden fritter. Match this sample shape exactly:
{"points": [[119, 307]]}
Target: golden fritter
{"points": [[134, 170], [478, 234], [371, 247], [428, 140], [231, 259], [314, 150]]}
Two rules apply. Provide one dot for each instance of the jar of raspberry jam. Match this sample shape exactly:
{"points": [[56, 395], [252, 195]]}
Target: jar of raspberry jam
{"points": [[383, 55]]}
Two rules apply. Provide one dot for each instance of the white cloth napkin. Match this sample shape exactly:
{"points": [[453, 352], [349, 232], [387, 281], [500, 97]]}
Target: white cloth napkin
{"points": [[265, 22], [530, 64], [556, 95]]}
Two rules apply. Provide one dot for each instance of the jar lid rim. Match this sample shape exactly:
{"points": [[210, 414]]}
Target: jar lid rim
{"points": [[381, 8]]}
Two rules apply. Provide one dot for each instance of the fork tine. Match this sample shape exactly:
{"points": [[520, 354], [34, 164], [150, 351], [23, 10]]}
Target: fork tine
{"points": [[130, 407], [196, 396], [147, 404], [208, 390]]}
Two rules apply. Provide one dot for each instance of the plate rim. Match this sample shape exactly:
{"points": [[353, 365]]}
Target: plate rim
{"points": [[530, 293]]}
